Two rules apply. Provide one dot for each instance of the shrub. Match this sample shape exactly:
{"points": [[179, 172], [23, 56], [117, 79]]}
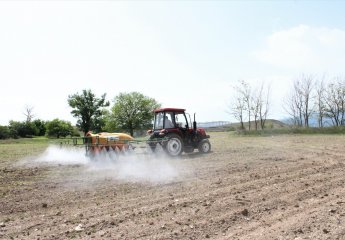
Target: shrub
{"points": [[41, 127], [22, 129], [59, 128], [4, 132]]}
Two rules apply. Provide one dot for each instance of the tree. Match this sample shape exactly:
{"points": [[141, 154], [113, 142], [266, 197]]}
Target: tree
{"points": [[41, 127], [242, 103], [256, 102], [298, 103], [250, 102], [13, 127], [292, 107], [244, 90], [4, 132], [260, 105], [29, 113], [264, 104], [59, 128], [320, 101], [306, 88], [88, 109], [237, 110], [22, 129], [132, 111], [335, 101]]}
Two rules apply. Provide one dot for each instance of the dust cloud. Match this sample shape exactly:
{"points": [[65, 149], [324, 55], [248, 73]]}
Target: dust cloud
{"points": [[63, 156], [130, 166]]}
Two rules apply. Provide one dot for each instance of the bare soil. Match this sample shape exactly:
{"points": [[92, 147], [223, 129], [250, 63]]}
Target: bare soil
{"points": [[281, 187]]}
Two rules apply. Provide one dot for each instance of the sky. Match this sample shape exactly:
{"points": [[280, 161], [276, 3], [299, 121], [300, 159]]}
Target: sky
{"points": [[185, 54]]}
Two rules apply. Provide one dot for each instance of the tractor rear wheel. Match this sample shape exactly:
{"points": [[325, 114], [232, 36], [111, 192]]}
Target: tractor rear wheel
{"points": [[174, 145], [204, 146]]}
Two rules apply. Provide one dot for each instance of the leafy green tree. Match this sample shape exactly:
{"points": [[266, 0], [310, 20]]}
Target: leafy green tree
{"points": [[110, 124], [13, 127], [88, 109], [4, 132], [132, 111], [41, 127], [100, 122], [59, 128]]}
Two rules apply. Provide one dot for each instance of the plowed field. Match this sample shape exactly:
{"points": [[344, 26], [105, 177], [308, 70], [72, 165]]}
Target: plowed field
{"points": [[281, 187]]}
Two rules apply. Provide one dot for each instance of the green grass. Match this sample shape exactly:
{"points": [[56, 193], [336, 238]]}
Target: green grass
{"points": [[12, 152], [34, 140], [15, 149]]}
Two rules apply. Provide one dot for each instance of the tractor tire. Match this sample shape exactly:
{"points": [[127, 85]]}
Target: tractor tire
{"points": [[204, 146], [174, 146]]}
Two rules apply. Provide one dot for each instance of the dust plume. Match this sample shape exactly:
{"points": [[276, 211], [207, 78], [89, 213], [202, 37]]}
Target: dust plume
{"points": [[62, 156], [142, 166]]}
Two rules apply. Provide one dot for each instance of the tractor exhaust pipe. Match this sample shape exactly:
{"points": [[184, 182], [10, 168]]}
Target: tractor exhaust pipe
{"points": [[194, 124]]}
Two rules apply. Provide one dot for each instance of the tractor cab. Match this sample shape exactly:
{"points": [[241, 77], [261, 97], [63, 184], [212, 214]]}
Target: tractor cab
{"points": [[182, 135], [170, 118]]}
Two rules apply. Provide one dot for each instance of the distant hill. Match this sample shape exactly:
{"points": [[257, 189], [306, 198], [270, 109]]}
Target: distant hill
{"points": [[270, 123], [213, 124], [228, 126], [313, 121]]}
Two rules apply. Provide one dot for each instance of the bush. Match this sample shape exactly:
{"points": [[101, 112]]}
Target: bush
{"points": [[4, 132], [41, 127], [22, 129], [75, 132], [59, 128]]}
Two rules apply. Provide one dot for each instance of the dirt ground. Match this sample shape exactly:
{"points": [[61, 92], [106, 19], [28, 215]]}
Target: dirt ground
{"points": [[281, 187]]}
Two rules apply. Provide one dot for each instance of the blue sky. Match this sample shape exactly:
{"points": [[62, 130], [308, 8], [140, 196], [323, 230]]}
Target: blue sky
{"points": [[185, 54]]}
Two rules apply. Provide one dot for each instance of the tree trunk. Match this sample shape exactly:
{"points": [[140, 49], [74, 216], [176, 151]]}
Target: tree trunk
{"points": [[242, 125], [131, 128]]}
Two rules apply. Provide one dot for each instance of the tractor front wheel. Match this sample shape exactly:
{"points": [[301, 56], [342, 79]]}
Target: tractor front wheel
{"points": [[174, 145], [204, 146]]}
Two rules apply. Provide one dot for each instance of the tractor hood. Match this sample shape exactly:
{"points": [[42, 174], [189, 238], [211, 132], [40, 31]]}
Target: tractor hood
{"points": [[202, 132]]}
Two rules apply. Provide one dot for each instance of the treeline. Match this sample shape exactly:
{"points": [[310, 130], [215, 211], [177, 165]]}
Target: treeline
{"points": [[26, 129], [251, 104], [321, 98], [310, 98], [130, 112]]}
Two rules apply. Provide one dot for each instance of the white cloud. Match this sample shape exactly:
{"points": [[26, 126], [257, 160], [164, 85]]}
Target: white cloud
{"points": [[305, 48]]}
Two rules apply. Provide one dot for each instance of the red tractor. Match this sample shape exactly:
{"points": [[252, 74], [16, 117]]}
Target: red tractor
{"points": [[174, 127]]}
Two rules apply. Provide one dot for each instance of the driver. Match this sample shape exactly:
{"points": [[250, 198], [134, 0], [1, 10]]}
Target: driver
{"points": [[168, 123]]}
